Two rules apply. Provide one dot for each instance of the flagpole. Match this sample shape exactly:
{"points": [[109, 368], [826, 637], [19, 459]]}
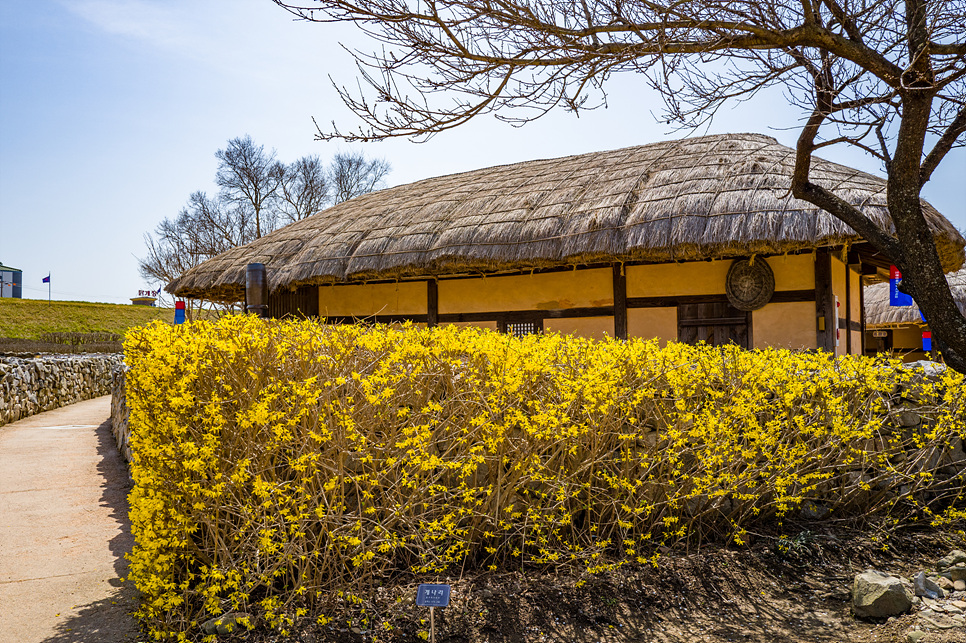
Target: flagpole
{"points": [[48, 289]]}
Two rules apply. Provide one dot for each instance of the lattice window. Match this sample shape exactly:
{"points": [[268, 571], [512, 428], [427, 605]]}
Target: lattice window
{"points": [[522, 328]]}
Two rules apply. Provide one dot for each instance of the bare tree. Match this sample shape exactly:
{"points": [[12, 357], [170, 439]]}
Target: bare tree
{"points": [[257, 193], [304, 189], [352, 174], [202, 229], [249, 177], [886, 76]]}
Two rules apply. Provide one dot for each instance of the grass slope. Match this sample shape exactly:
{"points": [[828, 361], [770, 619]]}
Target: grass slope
{"points": [[31, 318]]}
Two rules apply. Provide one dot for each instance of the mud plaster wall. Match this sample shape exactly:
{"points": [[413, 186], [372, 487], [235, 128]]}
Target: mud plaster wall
{"points": [[593, 327], [364, 300], [659, 323], [545, 291]]}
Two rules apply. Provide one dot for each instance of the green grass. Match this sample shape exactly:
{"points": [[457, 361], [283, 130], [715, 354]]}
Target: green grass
{"points": [[31, 318]]}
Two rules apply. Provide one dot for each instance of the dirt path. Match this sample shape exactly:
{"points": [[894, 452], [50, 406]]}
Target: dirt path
{"points": [[64, 529]]}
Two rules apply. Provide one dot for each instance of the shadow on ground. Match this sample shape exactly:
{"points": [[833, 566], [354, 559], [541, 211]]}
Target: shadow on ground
{"points": [[111, 619]]}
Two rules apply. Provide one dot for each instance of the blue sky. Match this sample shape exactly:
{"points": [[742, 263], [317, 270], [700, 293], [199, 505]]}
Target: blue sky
{"points": [[111, 112]]}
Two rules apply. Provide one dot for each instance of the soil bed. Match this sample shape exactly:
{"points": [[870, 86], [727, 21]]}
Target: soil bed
{"points": [[757, 594]]}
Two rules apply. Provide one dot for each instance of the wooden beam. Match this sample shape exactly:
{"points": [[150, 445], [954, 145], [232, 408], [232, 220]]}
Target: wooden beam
{"points": [[824, 301], [432, 303], [781, 296], [787, 296], [715, 321], [854, 259], [525, 315], [750, 316], [620, 302], [850, 324], [672, 301]]}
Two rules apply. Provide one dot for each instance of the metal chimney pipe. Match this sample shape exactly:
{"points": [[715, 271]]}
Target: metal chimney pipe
{"points": [[256, 290]]}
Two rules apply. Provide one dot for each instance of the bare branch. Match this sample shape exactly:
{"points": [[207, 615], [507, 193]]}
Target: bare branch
{"points": [[942, 147], [879, 75]]}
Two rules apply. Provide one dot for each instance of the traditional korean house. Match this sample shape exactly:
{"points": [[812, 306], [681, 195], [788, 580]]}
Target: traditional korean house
{"points": [[900, 330], [693, 240]]}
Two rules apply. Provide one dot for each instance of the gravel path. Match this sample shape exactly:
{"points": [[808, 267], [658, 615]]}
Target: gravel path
{"points": [[64, 529]]}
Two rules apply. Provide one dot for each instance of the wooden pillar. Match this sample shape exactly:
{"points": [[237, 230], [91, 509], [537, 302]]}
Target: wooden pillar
{"points": [[862, 313], [855, 265], [848, 310], [432, 303], [824, 301], [620, 302]]}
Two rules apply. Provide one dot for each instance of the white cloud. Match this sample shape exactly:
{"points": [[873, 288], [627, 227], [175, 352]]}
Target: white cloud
{"points": [[154, 24], [253, 39]]}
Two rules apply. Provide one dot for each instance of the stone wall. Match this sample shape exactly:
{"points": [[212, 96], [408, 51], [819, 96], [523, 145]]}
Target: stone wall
{"points": [[30, 385], [120, 413]]}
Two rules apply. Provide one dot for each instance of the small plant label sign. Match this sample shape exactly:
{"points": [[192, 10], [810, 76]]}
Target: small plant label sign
{"points": [[428, 595]]}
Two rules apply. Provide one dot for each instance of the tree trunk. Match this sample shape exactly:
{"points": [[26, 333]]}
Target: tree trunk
{"points": [[922, 273]]}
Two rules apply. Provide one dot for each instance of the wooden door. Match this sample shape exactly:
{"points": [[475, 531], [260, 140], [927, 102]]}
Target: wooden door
{"points": [[715, 323]]}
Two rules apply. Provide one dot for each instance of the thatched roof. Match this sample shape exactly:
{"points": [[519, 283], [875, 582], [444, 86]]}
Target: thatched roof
{"points": [[878, 312], [713, 196]]}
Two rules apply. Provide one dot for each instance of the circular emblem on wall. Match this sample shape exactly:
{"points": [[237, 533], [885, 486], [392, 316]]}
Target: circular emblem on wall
{"points": [[749, 286]]}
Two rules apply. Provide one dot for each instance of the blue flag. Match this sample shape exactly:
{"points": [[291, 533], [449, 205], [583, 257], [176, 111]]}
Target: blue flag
{"points": [[47, 279]]}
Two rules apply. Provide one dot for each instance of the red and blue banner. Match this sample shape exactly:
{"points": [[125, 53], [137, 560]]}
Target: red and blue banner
{"points": [[897, 298], [47, 279]]}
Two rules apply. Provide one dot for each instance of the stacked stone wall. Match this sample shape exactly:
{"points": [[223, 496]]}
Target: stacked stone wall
{"points": [[120, 413], [30, 385]]}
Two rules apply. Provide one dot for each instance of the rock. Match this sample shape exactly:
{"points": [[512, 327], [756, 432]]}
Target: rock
{"points": [[928, 369], [908, 419], [878, 595], [952, 559], [955, 573], [915, 636], [952, 609], [226, 623], [960, 604], [814, 511], [940, 622], [944, 583], [926, 587], [959, 585]]}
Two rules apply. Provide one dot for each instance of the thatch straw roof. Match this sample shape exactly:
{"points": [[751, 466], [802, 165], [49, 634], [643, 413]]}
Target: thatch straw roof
{"points": [[713, 196], [878, 312]]}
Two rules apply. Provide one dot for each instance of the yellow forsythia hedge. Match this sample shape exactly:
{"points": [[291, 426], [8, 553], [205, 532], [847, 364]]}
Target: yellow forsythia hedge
{"points": [[277, 464]]}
